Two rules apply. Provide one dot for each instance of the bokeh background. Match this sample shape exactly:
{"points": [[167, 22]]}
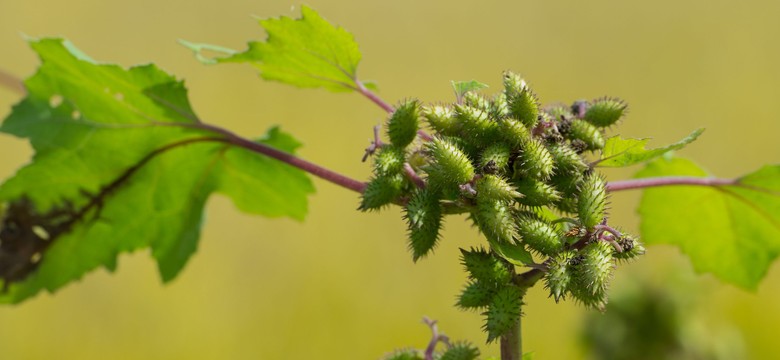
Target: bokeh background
{"points": [[341, 285]]}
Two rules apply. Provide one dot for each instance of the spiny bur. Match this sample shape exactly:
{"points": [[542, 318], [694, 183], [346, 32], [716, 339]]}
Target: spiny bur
{"points": [[493, 187], [535, 161], [476, 295], [381, 191], [558, 276], [405, 354], [631, 248], [482, 266], [593, 273], [441, 118], [495, 157], [424, 218], [605, 112], [460, 350], [503, 312], [403, 123], [451, 166], [521, 100], [590, 135], [592, 201], [539, 235], [389, 160], [514, 133], [495, 220], [536, 193]]}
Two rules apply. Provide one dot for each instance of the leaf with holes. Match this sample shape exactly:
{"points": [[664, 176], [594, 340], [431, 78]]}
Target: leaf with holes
{"points": [[731, 231], [121, 164], [308, 52]]}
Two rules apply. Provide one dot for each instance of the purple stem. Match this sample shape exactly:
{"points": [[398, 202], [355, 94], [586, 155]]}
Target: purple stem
{"points": [[412, 175], [12, 83], [373, 97], [601, 228], [435, 338], [385, 106], [667, 180], [309, 167]]}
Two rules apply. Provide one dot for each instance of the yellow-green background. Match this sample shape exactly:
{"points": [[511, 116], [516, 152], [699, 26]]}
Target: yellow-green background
{"points": [[341, 285]]}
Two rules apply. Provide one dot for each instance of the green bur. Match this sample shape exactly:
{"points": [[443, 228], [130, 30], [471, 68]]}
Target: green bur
{"points": [[424, 218], [403, 123]]}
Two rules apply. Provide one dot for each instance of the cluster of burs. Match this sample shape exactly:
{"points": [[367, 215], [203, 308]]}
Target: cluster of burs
{"points": [[522, 174]]}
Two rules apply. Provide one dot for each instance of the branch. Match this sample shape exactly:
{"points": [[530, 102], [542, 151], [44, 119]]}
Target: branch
{"points": [[309, 167], [666, 181], [12, 83], [373, 97]]}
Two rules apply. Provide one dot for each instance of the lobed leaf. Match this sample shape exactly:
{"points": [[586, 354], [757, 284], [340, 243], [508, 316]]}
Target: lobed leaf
{"points": [[308, 52], [88, 123], [619, 152], [731, 231]]}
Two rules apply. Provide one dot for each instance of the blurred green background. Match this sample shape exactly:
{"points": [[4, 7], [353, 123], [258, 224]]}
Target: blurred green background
{"points": [[342, 285]]}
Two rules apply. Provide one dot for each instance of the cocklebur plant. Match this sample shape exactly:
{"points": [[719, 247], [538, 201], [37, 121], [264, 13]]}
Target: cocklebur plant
{"points": [[125, 143]]}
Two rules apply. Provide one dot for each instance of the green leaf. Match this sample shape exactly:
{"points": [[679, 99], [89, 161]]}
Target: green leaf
{"points": [[308, 52], [731, 231], [89, 124], [516, 254], [462, 87], [619, 152]]}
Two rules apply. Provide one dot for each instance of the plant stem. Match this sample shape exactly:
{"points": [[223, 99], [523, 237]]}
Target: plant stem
{"points": [[667, 180], [512, 343], [373, 97], [309, 167], [12, 83]]}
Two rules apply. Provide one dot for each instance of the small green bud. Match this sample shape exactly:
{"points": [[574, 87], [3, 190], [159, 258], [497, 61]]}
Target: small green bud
{"points": [[558, 276], [522, 102], [403, 123], [460, 350], [536, 193], [492, 187], [424, 217], [535, 161], [494, 218], [587, 133], [605, 112], [503, 312], [441, 118], [592, 201], [495, 159], [539, 235], [485, 268], [389, 160], [451, 166], [381, 191], [476, 295]]}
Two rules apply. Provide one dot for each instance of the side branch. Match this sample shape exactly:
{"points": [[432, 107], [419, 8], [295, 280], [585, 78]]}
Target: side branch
{"points": [[363, 90], [309, 167], [666, 181], [12, 83]]}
